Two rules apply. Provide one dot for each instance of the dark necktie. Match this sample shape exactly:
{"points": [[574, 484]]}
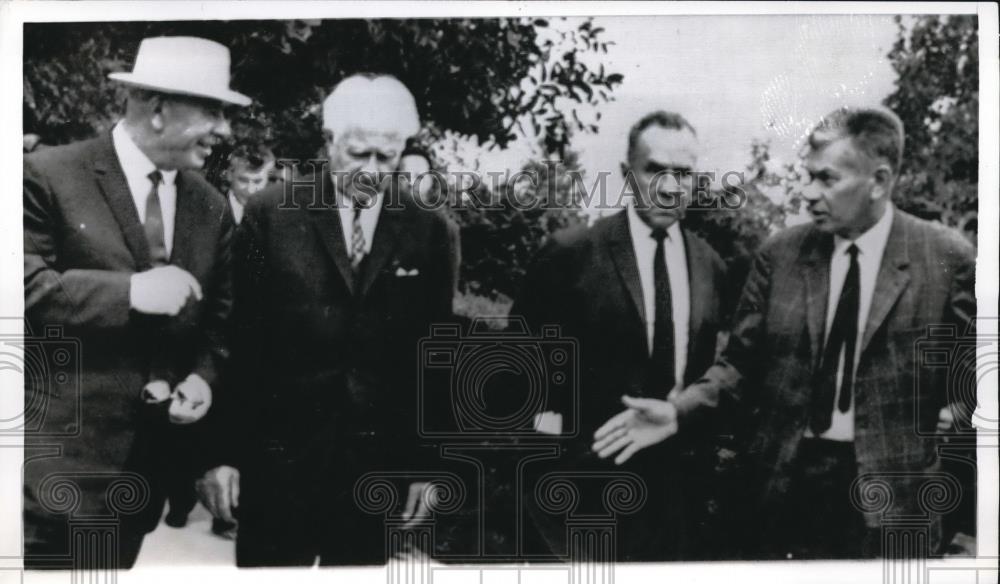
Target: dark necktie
{"points": [[154, 223], [842, 339], [660, 380]]}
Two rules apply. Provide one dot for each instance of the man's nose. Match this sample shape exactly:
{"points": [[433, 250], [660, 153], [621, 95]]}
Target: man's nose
{"points": [[222, 128], [670, 189], [370, 165], [812, 193]]}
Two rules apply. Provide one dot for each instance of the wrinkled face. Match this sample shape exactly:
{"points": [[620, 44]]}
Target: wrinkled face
{"points": [[245, 181], [362, 160], [416, 167], [662, 166], [840, 188], [189, 129]]}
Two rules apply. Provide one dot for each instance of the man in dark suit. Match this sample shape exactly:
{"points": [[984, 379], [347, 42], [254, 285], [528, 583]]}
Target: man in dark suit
{"points": [[126, 248], [825, 345], [418, 177], [335, 283], [643, 297]]}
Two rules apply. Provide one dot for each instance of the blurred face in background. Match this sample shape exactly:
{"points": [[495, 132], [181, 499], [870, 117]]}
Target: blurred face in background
{"points": [[417, 168], [244, 181], [362, 160], [661, 165]]}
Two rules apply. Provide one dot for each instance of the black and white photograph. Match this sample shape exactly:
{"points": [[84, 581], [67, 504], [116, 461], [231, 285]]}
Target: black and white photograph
{"points": [[449, 292]]}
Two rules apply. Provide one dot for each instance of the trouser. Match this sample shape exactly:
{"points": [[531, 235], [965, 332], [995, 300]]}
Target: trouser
{"points": [[817, 520], [300, 507], [657, 527]]}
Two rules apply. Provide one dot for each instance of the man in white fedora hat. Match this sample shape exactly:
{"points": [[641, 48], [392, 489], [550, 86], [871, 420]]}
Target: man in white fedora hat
{"points": [[126, 251]]}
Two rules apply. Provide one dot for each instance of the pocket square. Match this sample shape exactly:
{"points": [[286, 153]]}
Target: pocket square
{"points": [[404, 273]]}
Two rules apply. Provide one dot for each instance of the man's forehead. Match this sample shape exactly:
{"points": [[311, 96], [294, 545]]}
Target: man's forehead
{"points": [[244, 169], [668, 144], [832, 152], [414, 160], [382, 137]]}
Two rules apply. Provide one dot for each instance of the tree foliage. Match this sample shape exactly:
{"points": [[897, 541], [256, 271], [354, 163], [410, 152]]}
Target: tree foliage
{"points": [[937, 97], [504, 225], [479, 77]]}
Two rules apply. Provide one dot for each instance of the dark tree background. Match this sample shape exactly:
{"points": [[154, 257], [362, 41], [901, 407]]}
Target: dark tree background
{"points": [[937, 97], [468, 76]]}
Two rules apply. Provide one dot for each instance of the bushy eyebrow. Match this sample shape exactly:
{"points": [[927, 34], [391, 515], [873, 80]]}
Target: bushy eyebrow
{"points": [[653, 166]]}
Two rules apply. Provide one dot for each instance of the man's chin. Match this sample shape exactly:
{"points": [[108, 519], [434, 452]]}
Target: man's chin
{"points": [[662, 221]]}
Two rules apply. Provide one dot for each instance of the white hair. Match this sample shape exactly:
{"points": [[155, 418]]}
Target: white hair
{"points": [[380, 103]]}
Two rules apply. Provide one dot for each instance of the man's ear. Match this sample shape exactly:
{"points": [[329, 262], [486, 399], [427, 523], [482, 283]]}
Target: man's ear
{"points": [[625, 169], [883, 177], [156, 104]]}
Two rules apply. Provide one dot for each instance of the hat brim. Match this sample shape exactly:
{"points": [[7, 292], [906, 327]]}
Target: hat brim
{"points": [[227, 95]]}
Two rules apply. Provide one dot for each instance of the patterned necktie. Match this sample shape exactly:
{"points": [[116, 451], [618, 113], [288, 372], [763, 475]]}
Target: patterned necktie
{"points": [[660, 380], [842, 339], [154, 223], [357, 238]]}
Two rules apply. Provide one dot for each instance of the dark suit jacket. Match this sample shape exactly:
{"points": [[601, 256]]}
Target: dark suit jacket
{"points": [[926, 278], [587, 281], [325, 361], [82, 243]]}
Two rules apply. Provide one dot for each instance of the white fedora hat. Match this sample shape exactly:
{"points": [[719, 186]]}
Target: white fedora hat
{"points": [[184, 65]]}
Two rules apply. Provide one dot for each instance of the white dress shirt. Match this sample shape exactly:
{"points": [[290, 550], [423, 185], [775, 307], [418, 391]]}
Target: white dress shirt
{"points": [[871, 246], [369, 220], [237, 207], [644, 247], [137, 167]]}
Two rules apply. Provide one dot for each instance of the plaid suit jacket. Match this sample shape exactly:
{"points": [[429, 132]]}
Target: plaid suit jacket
{"points": [[926, 278]]}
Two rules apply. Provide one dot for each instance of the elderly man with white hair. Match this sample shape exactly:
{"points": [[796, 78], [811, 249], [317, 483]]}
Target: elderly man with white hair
{"points": [[335, 283]]}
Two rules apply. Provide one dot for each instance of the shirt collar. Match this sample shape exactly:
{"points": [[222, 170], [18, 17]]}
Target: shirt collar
{"points": [[134, 162], [640, 231], [233, 201], [871, 243]]}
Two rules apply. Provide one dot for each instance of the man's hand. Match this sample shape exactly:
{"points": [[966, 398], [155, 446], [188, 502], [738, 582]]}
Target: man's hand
{"points": [[646, 422], [190, 400], [946, 419], [219, 491], [162, 290], [156, 392], [420, 501]]}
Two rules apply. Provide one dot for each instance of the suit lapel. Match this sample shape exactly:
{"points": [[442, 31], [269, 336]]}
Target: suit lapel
{"points": [[701, 287], [893, 277], [623, 256], [815, 269], [185, 224], [111, 180], [326, 220], [384, 243]]}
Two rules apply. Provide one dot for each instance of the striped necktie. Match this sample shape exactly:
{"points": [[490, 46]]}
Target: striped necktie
{"points": [[154, 223]]}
